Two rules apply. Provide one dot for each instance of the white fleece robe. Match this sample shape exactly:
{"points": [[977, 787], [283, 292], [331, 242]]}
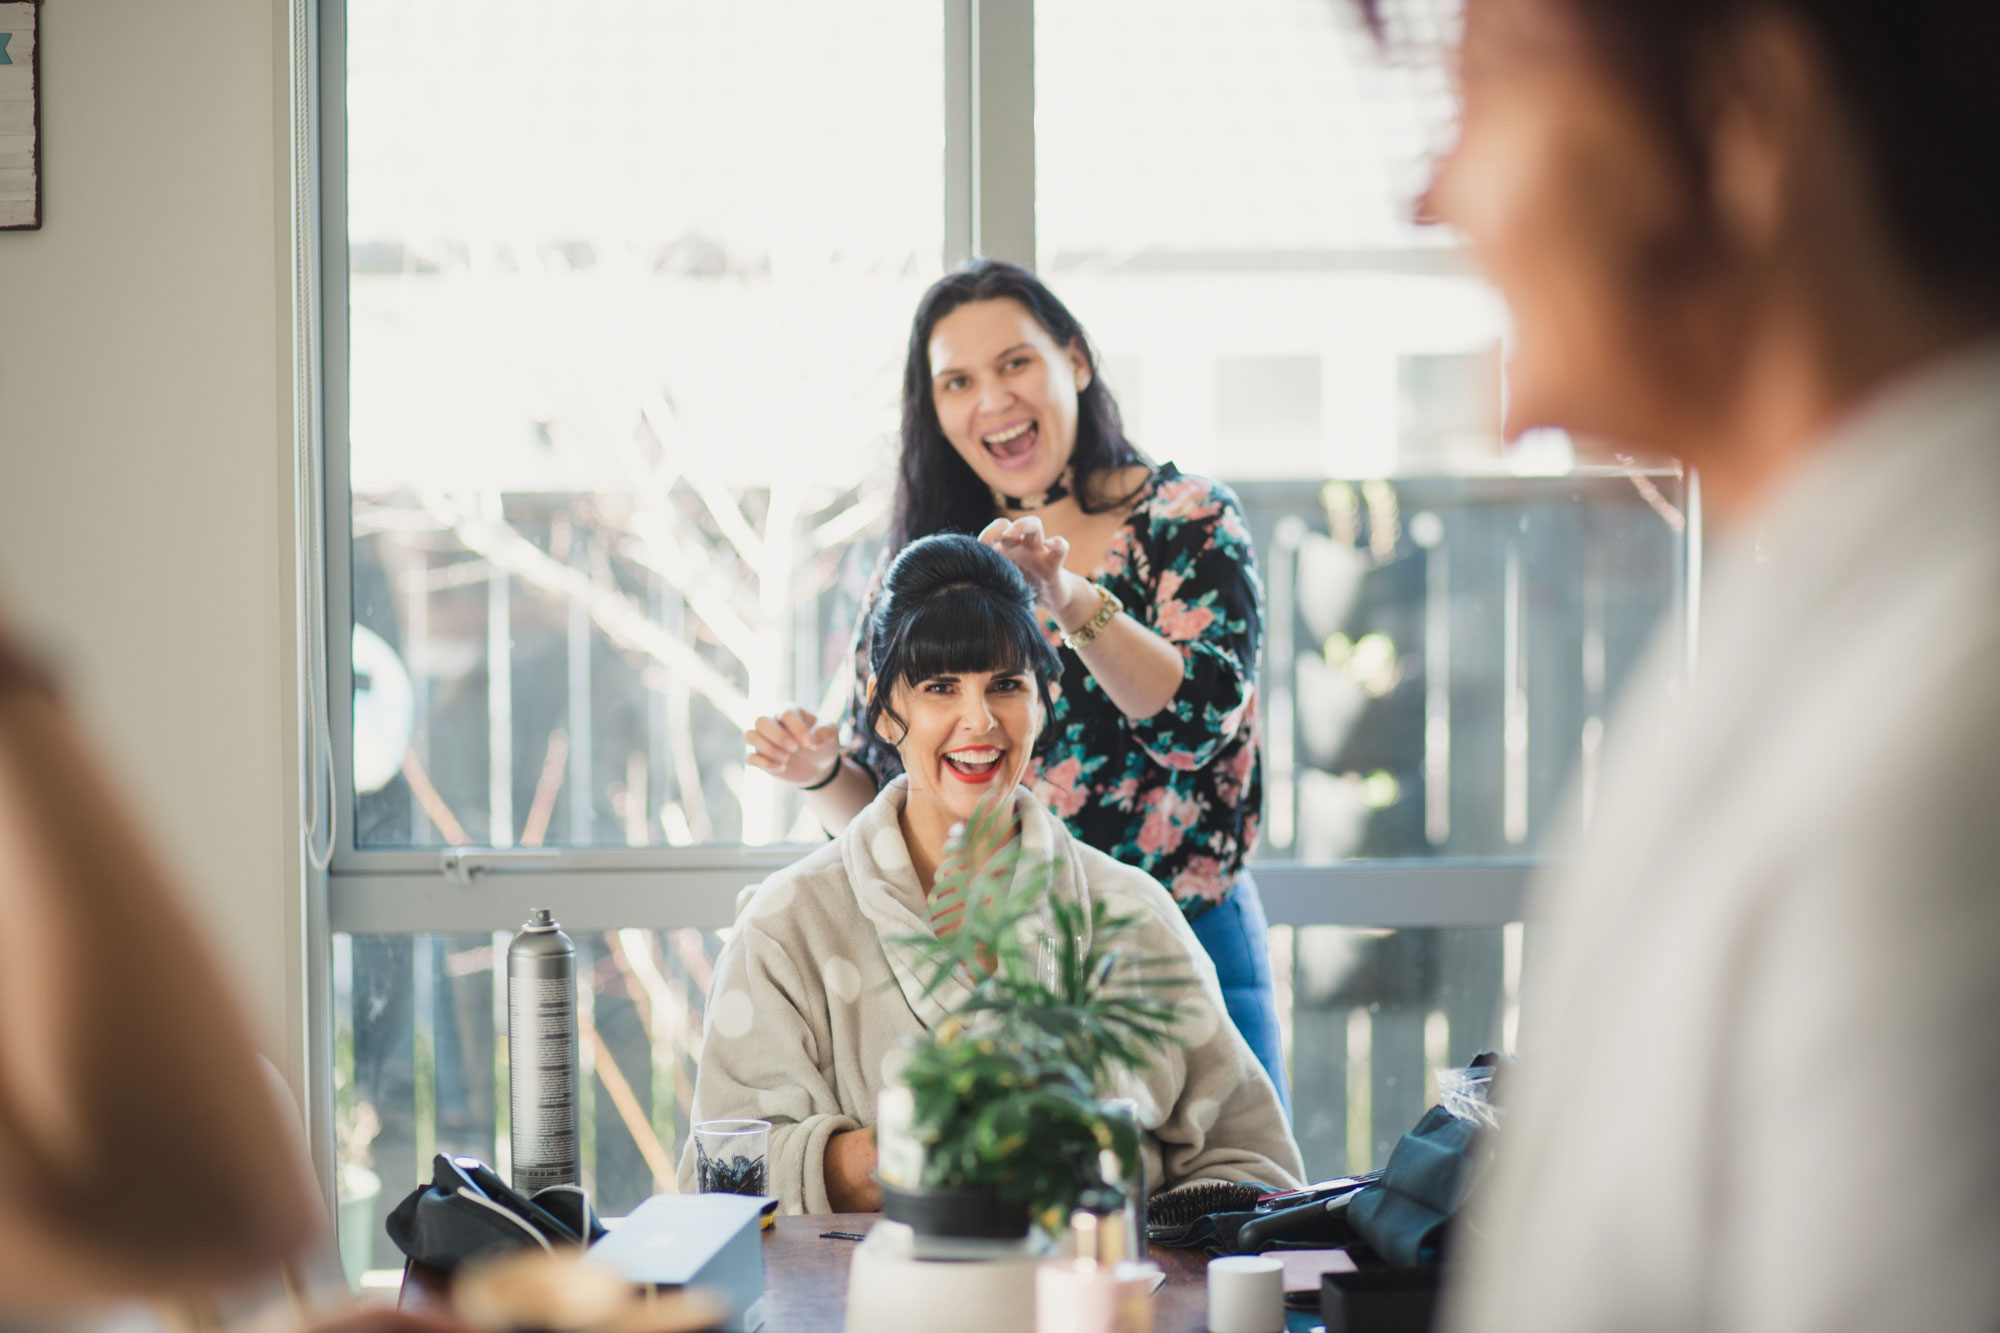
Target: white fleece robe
{"points": [[810, 1000], [1759, 1070]]}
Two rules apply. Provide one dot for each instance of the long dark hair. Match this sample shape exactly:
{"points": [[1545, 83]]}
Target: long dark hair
{"points": [[936, 490], [1918, 84], [950, 605]]}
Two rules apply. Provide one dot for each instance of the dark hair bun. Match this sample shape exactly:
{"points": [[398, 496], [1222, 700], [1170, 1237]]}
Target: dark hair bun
{"points": [[951, 605], [939, 562]]}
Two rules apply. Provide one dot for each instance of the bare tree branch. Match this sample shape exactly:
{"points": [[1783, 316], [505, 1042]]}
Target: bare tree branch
{"points": [[658, 548], [651, 545], [852, 521], [658, 416], [622, 622]]}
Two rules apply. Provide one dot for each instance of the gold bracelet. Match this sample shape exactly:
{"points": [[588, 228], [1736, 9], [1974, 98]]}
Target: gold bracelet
{"points": [[1094, 626]]}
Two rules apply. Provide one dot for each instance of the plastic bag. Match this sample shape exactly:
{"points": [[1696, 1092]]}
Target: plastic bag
{"points": [[1468, 1093]]}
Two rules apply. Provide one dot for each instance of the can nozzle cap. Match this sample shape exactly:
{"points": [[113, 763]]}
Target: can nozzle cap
{"points": [[541, 919]]}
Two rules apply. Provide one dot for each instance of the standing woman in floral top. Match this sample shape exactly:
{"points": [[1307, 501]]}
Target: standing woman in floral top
{"points": [[1147, 581]]}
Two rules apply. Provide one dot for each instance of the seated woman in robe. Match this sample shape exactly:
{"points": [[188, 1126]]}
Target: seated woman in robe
{"points": [[813, 995]]}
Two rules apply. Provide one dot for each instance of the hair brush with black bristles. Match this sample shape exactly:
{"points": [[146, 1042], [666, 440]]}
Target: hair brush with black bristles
{"points": [[1181, 1216]]}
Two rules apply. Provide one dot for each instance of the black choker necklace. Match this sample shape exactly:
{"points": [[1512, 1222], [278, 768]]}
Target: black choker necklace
{"points": [[1059, 491]]}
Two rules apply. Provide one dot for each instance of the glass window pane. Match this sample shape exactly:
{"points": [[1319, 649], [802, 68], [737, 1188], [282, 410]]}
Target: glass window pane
{"points": [[1367, 1017], [1448, 615], [1266, 125], [629, 287], [1370, 1016], [1443, 652], [420, 1065]]}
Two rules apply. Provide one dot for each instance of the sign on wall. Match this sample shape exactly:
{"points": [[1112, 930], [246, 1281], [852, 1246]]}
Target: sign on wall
{"points": [[20, 118]]}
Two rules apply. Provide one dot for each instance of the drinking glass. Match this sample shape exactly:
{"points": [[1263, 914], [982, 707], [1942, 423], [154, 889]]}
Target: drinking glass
{"points": [[732, 1156]]}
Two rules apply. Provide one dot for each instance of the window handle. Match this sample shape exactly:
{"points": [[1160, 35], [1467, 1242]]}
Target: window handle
{"points": [[461, 865]]}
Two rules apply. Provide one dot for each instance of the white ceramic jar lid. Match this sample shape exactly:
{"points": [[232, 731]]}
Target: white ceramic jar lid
{"points": [[1246, 1294]]}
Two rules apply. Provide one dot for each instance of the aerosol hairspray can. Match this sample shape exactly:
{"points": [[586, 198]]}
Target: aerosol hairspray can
{"points": [[541, 1053]]}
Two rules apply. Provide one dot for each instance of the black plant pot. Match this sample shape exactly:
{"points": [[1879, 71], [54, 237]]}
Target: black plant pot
{"points": [[966, 1214]]}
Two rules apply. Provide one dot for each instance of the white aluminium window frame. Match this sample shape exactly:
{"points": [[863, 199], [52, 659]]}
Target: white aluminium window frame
{"points": [[989, 201]]}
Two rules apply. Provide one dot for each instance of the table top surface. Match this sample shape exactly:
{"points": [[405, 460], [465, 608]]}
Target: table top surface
{"points": [[805, 1278]]}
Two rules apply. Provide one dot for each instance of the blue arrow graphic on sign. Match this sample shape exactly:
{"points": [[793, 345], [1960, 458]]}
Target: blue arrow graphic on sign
{"points": [[5, 37]]}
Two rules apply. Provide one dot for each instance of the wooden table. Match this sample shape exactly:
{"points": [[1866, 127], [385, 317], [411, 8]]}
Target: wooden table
{"points": [[805, 1279]]}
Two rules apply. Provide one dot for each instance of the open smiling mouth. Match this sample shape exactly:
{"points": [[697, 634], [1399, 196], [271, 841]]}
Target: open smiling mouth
{"points": [[974, 765], [1013, 444]]}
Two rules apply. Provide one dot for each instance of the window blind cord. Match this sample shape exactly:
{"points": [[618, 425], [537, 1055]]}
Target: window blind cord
{"points": [[310, 566]]}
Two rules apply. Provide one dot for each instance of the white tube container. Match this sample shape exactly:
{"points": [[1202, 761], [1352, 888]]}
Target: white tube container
{"points": [[1246, 1294]]}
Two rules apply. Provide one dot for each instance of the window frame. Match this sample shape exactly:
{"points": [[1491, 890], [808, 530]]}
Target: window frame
{"points": [[989, 203]]}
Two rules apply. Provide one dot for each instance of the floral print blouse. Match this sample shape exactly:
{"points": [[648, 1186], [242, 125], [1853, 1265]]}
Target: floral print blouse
{"points": [[1178, 794]]}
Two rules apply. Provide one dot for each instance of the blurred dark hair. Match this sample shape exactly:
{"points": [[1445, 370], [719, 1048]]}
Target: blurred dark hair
{"points": [[950, 605], [936, 490], [1921, 85]]}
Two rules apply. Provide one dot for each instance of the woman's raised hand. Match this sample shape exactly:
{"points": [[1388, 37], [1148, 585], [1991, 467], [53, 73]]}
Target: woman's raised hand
{"points": [[793, 746], [1037, 555]]}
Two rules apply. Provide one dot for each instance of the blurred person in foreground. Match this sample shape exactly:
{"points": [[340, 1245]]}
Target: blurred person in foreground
{"points": [[142, 1152], [1759, 1060]]}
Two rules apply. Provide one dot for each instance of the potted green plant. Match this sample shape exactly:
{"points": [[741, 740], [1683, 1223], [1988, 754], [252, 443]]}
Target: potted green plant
{"points": [[1003, 1121]]}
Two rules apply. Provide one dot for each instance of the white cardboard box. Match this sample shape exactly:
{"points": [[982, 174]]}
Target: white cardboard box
{"points": [[695, 1240]]}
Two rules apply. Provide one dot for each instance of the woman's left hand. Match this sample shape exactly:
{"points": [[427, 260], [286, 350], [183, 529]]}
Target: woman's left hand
{"points": [[1037, 555]]}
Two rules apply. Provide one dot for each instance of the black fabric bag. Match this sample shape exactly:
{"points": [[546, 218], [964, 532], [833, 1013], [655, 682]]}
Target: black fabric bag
{"points": [[467, 1211], [1403, 1217], [1402, 1225], [1397, 1218]]}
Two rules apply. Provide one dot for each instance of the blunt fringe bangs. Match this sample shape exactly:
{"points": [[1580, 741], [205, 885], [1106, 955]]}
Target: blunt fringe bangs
{"points": [[964, 629]]}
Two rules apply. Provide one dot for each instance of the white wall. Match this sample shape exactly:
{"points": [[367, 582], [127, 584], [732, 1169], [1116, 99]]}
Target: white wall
{"points": [[145, 475]]}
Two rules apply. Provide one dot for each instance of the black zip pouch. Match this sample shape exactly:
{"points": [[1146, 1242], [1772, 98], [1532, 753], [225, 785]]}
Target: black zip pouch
{"points": [[468, 1212]]}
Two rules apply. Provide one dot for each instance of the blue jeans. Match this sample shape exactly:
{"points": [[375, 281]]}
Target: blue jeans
{"points": [[1239, 942]]}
